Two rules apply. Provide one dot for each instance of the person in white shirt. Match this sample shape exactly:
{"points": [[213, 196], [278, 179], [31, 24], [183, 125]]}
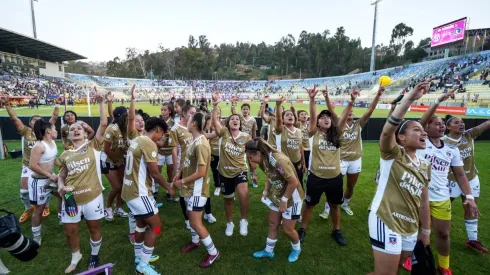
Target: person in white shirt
{"points": [[443, 157]]}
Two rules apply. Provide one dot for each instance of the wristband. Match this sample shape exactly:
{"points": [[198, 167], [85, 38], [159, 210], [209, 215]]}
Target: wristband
{"points": [[176, 170], [213, 109], [437, 101], [470, 197], [171, 184], [284, 199], [426, 231]]}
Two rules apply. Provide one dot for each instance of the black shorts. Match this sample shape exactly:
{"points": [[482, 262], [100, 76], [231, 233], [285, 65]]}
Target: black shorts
{"points": [[332, 188], [228, 185], [307, 158], [299, 171], [104, 169]]}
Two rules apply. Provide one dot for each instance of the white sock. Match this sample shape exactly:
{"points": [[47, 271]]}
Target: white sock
{"points": [[208, 243], [327, 208], [138, 247], [24, 198], [75, 257], [472, 229], [346, 202], [269, 245], [36, 231], [132, 223], [95, 245], [194, 236], [296, 246], [145, 255]]}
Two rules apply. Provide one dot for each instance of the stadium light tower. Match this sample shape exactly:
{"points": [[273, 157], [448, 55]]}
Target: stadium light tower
{"points": [[373, 46], [33, 19]]}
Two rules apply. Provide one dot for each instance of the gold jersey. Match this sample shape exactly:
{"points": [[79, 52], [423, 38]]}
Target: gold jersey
{"points": [[214, 143], [28, 141], [271, 137], [466, 147], [279, 169], [351, 148], [399, 192], [289, 143], [65, 129], [114, 136], [179, 135], [248, 125], [137, 180], [324, 158], [166, 150], [232, 153], [198, 153], [83, 167], [306, 137]]}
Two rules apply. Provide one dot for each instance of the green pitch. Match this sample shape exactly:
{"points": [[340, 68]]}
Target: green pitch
{"points": [[321, 255], [82, 110]]}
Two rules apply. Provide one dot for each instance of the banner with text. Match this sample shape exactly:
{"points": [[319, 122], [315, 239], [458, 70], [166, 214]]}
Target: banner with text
{"points": [[478, 112], [441, 109]]}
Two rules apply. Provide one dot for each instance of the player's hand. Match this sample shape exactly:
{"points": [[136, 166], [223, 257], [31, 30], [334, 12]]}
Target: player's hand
{"points": [[448, 95], [381, 90], [133, 92], [53, 178], [266, 98], [419, 91], [471, 208], [312, 92], [171, 192], [354, 95], [425, 238], [176, 177], [234, 99], [281, 100], [109, 96], [283, 206], [325, 92], [216, 99]]}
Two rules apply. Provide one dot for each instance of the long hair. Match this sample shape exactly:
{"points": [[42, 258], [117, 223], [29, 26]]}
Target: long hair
{"points": [[170, 107], [40, 127], [332, 134], [33, 117], [122, 123], [69, 111], [259, 145], [200, 120]]}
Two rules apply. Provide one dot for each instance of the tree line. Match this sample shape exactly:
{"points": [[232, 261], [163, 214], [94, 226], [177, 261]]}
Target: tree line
{"points": [[310, 55]]}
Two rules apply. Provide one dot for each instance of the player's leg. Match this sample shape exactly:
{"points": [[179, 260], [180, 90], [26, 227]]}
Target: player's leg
{"points": [[471, 223], [274, 218], [228, 191], [242, 190], [119, 202], [335, 194], [289, 219], [441, 223], [24, 194], [116, 186], [353, 171]]}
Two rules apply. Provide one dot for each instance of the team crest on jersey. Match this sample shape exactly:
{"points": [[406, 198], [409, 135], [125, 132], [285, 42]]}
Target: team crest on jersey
{"points": [[449, 154], [107, 136], [392, 240], [464, 141], [83, 151], [154, 154]]}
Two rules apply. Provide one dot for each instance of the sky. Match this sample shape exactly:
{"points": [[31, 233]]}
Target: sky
{"points": [[102, 29]]}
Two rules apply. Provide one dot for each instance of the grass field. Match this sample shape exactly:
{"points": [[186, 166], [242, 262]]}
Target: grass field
{"points": [[82, 110], [321, 255]]}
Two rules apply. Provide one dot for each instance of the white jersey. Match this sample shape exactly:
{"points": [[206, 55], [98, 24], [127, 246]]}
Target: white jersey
{"points": [[442, 159]]}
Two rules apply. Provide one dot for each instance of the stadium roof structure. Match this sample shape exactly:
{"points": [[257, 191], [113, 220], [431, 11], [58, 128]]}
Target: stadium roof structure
{"points": [[16, 43]]}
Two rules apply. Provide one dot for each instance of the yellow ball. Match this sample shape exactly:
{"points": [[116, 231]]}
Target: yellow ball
{"points": [[384, 80]]}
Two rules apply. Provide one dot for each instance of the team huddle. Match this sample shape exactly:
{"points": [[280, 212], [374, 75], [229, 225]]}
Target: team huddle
{"points": [[421, 170]]}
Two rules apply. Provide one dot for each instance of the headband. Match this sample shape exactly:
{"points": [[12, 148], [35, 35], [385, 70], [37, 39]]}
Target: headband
{"points": [[403, 125], [447, 122]]}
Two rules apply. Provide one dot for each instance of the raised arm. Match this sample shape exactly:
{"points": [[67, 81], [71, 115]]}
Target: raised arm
{"points": [[131, 112], [365, 117], [387, 140], [110, 98], [17, 122], [432, 109], [103, 117], [263, 114], [343, 119], [312, 125], [279, 126], [330, 106], [215, 121], [234, 100], [54, 116]]}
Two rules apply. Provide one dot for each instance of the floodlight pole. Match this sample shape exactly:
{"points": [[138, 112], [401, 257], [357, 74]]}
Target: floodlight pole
{"points": [[373, 46], [33, 19]]}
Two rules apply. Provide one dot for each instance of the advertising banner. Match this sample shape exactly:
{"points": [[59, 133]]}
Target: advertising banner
{"points": [[448, 33], [383, 106], [478, 112], [441, 109]]}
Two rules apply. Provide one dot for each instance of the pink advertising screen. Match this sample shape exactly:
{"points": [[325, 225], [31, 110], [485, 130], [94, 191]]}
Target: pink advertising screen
{"points": [[448, 33]]}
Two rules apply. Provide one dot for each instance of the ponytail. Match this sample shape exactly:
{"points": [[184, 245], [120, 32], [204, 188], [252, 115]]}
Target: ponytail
{"points": [[259, 145], [40, 127]]}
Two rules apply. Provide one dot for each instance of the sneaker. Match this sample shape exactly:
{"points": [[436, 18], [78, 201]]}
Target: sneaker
{"points": [[121, 213], [189, 247], [209, 260], [153, 259], [444, 271], [255, 185], [177, 199], [93, 262], [169, 198], [108, 214], [217, 191], [46, 212], [294, 255], [210, 218], [244, 227], [407, 264], [131, 238], [301, 234], [337, 236], [325, 215], [159, 205], [263, 254], [188, 225], [59, 219], [38, 240], [146, 270], [347, 209], [229, 229], [26, 215], [476, 245]]}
